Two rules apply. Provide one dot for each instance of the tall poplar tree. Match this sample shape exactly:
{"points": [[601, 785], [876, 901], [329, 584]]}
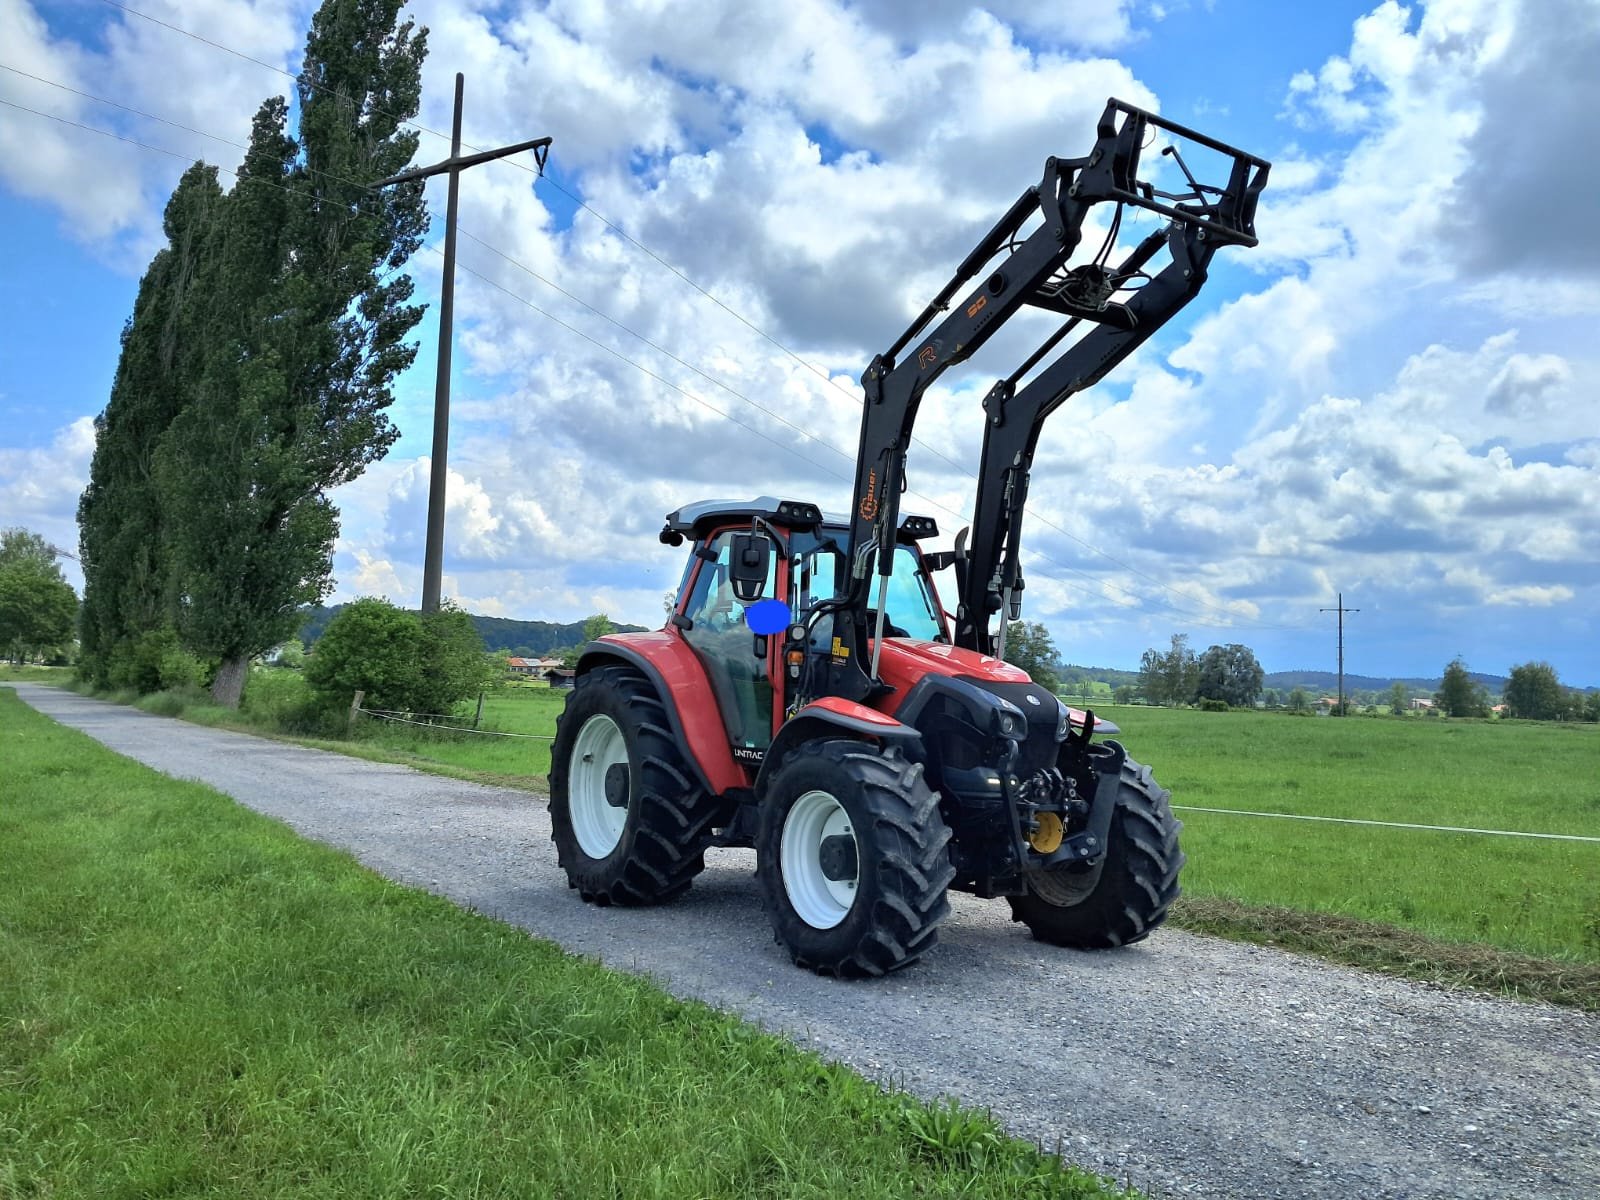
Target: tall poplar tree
{"points": [[121, 542], [303, 336]]}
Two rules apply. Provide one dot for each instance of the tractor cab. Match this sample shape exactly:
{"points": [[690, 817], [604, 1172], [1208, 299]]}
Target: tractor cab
{"points": [[765, 655]]}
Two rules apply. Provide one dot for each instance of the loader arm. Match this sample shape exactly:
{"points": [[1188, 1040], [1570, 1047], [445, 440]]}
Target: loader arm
{"points": [[988, 570], [1031, 271]]}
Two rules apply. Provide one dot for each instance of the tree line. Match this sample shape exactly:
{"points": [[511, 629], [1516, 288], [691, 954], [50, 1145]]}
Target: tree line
{"points": [[1226, 675], [255, 371]]}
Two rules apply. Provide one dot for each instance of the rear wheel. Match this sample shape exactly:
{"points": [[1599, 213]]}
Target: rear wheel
{"points": [[629, 821], [1129, 893], [852, 859]]}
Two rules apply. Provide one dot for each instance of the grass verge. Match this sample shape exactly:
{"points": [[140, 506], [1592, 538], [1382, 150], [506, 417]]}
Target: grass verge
{"points": [[1395, 951], [193, 1000]]}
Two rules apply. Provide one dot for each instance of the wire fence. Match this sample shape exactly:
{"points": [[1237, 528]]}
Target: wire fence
{"points": [[436, 722], [1242, 812], [431, 722]]}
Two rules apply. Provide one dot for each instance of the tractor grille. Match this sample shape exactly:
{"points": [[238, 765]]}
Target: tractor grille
{"points": [[1043, 712]]}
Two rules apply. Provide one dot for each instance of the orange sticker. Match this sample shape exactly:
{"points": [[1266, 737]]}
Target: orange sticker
{"points": [[977, 306], [869, 502]]}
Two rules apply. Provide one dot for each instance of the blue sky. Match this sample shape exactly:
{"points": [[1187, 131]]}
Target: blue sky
{"points": [[1392, 397]]}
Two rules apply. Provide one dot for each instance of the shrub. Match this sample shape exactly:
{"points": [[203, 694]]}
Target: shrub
{"points": [[1209, 705], [171, 702], [280, 699], [400, 660], [140, 663]]}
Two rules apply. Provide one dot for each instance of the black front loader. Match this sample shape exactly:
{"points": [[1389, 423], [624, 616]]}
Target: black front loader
{"points": [[1119, 306]]}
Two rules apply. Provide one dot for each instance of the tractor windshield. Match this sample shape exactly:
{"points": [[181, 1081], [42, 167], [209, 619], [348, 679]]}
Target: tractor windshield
{"points": [[820, 574]]}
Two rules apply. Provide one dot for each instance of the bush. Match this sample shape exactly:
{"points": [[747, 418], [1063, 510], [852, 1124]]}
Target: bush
{"points": [[1209, 705], [152, 662], [278, 698], [402, 661], [171, 702]]}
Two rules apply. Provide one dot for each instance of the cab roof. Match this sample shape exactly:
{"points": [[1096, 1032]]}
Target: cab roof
{"points": [[700, 518]]}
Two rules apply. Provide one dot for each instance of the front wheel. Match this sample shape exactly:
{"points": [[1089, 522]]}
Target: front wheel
{"points": [[630, 822], [1128, 894], [852, 858]]}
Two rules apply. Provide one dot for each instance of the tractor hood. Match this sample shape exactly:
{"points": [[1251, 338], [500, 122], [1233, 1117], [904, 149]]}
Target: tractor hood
{"points": [[906, 660]]}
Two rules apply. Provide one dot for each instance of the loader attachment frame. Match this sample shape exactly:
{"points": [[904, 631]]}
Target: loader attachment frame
{"points": [[1031, 271]]}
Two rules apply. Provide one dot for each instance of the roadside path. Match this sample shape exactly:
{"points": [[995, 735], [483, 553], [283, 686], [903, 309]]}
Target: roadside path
{"points": [[1186, 1065]]}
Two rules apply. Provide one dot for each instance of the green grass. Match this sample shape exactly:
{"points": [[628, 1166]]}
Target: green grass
{"points": [[27, 673], [194, 1001], [1529, 896]]}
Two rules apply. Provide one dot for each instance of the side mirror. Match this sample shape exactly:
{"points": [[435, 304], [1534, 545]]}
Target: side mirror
{"points": [[748, 564]]}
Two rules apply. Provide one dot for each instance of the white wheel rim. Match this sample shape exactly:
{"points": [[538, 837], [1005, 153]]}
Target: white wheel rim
{"points": [[597, 824], [819, 901]]}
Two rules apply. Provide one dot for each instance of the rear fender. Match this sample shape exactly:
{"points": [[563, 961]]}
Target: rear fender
{"points": [[680, 681], [832, 716]]}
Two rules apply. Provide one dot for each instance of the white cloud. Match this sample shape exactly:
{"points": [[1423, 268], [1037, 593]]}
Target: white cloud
{"points": [[39, 487], [110, 193]]}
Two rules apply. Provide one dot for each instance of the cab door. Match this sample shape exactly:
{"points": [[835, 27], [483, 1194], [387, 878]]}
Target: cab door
{"points": [[741, 679]]}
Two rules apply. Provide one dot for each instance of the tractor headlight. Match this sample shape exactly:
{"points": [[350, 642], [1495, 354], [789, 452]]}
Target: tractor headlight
{"points": [[1009, 722]]}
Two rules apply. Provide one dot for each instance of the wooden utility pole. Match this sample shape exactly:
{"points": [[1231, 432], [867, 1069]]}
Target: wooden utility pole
{"points": [[433, 556], [1341, 610]]}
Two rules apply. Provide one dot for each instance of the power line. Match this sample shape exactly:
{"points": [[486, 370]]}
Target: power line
{"points": [[1232, 618]]}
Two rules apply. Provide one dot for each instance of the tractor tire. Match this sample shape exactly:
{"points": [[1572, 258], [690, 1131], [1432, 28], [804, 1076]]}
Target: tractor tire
{"points": [[1122, 900], [630, 822], [852, 858]]}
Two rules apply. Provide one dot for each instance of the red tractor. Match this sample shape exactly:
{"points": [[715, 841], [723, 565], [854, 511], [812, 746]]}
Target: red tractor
{"points": [[875, 750]]}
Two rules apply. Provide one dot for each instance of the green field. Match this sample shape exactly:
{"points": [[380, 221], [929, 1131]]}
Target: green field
{"points": [[1534, 896], [195, 1001]]}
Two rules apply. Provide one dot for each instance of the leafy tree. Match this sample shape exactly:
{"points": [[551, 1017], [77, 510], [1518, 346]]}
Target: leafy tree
{"points": [[1299, 701], [597, 627], [1123, 694], [37, 606], [292, 654], [1458, 695], [453, 664], [402, 661], [1030, 646], [1399, 697], [121, 542], [1591, 707], [1229, 673], [1534, 691], [303, 338], [23, 548], [1169, 678], [370, 646]]}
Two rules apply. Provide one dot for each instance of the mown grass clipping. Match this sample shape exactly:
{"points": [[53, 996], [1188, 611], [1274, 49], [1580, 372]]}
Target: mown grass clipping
{"points": [[195, 1001]]}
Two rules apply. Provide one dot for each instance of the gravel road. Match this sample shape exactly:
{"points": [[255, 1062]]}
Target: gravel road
{"points": [[1186, 1065]]}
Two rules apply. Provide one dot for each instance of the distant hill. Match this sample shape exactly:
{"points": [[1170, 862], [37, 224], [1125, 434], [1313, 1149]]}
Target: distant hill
{"points": [[1328, 681], [528, 639]]}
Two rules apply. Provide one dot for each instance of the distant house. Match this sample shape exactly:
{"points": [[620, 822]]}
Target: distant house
{"points": [[1418, 704], [561, 677], [532, 668]]}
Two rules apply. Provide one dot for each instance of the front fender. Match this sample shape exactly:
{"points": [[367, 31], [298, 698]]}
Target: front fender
{"points": [[671, 665], [832, 716]]}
